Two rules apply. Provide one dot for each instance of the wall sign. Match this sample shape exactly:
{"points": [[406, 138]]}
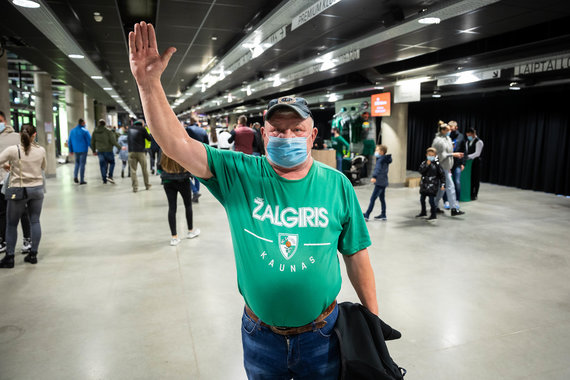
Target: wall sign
{"points": [[542, 65], [407, 92], [381, 104], [312, 12]]}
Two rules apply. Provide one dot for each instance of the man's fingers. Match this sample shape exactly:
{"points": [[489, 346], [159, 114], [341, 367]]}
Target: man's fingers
{"points": [[138, 38], [144, 30], [132, 46], [152, 37], [165, 57]]}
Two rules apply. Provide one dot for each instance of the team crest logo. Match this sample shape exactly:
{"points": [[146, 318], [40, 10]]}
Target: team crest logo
{"points": [[287, 100], [288, 244]]}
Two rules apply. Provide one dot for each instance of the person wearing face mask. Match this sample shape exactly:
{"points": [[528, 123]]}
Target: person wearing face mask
{"points": [[288, 217], [444, 146], [474, 146], [432, 181], [380, 181]]}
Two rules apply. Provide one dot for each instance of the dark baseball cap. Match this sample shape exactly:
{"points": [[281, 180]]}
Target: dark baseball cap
{"points": [[299, 105]]}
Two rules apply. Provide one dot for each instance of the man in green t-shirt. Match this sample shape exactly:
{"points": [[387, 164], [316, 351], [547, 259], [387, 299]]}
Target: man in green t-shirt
{"points": [[288, 216]]}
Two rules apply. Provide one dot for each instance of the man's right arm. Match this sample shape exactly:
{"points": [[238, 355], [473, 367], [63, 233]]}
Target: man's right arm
{"points": [[147, 67]]}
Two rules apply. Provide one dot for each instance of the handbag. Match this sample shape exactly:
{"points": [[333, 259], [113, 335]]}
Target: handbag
{"points": [[17, 193]]}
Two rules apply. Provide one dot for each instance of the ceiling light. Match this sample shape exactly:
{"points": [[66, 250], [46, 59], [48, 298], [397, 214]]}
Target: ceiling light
{"points": [[467, 77], [107, 88], [436, 94], [97, 17], [114, 96], [429, 20], [26, 3], [76, 56], [333, 97], [96, 77], [214, 38], [514, 86]]}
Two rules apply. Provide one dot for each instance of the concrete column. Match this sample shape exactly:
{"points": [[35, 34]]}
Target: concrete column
{"points": [[44, 119], [4, 88], [101, 112], [395, 137], [89, 113], [75, 110]]}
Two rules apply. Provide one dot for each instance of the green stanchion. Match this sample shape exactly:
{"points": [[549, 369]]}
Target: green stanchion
{"points": [[466, 182]]}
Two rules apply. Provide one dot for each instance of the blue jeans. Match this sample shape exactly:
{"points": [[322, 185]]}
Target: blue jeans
{"points": [[80, 160], [339, 163], [379, 192], [107, 164], [195, 186], [311, 355], [449, 190]]}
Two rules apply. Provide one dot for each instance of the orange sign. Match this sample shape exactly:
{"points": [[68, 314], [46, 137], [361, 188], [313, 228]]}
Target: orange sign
{"points": [[380, 104]]}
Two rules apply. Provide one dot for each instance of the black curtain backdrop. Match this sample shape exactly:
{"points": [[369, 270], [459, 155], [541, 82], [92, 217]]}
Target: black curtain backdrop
{"points": [[526, 135]]}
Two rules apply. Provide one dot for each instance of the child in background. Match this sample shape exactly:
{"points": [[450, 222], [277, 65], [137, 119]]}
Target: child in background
{"points": [[433, 178], [380, 181]]}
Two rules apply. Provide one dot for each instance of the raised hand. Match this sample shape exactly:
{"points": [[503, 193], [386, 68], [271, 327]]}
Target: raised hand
{"points": [[146, 64]]}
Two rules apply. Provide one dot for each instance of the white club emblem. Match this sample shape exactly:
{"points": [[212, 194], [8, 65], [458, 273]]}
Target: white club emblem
{"points": [[288, 244]]}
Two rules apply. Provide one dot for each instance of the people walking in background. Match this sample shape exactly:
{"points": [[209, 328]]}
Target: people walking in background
{"points": [[176, 179], [154, 153], [27, 161], [444, 147], [103, 141], [197, 133], [338, 144], [432, 181], [136, 142], [474, 148], [124, 151], [243, 136], [458, 141], [380, 181], [79, 143], [8, 137], [258, 140]]}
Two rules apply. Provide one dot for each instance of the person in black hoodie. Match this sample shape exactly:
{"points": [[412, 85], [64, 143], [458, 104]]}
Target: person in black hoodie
{"points": [[380, 181], [433, 178], [176, 179]]}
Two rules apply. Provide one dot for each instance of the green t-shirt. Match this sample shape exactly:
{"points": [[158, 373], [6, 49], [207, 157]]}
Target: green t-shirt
{"points": [[338, 144], [286, 234]]}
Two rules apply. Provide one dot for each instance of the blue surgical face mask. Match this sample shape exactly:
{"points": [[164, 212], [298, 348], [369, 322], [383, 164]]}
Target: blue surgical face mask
{"points": [[2, 127], [287, 152], [431, 158], [377, 155], [448, 133], [470, 138]]}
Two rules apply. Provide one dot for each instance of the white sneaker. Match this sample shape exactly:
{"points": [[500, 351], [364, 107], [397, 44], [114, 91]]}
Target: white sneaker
{"points": [[26, 245], [446, 206], [174, 241], [192, 234]]}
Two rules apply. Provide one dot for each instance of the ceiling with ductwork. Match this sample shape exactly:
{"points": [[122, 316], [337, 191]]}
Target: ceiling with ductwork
{"points": [[232, 53]]}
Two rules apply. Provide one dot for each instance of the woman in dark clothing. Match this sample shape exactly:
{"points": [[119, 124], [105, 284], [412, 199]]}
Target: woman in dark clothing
{"points": [[176, 179], [433, 178]]}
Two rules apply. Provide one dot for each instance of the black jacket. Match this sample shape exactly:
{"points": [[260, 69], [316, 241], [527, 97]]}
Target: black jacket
{"points": [[458, 146], [137, 137], [363, 351], [433, 177]]}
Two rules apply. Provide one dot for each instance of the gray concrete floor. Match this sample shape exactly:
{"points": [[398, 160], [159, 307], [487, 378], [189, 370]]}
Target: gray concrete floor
{"points": [[485, 296]]}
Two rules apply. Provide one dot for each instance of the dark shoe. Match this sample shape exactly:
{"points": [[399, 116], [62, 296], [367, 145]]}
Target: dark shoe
{"points": [[83, 183], [195, 197], [439, 211], [457, 212], [473, 197], [380, 217], [75, 180], [7, 261], [31, 258], [122, 174], [421, 214], [151, 171], [366, 218], [432, 218], [135, 189]]}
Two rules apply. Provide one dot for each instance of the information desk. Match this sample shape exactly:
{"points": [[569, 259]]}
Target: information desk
{"points": [[326, 156]]}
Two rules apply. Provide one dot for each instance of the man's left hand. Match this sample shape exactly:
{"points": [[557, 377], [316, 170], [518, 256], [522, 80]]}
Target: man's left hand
{"points": [[373, 180]]}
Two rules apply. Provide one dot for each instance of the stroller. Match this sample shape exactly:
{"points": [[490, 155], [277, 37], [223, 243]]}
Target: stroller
{"points": [[357, 169]]}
